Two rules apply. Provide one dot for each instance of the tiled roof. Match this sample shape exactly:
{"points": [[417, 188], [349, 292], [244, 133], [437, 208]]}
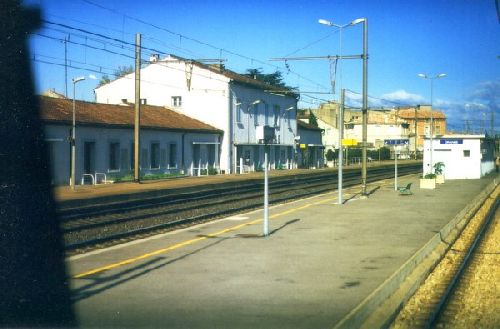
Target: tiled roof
{"points": [[155, 117], [240, 78]]}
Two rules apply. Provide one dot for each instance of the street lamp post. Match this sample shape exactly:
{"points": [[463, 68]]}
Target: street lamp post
{"points": [[340, 116], [73, 136], [431, 131], [365, 105]]}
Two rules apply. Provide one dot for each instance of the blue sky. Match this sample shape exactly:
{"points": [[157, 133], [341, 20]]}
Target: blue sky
{"points": [[458, 37]]}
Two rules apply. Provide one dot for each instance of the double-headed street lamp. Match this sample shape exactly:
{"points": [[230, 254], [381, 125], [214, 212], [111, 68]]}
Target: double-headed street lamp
{"points": [[365, 101], [431, 78], [73, 136]]}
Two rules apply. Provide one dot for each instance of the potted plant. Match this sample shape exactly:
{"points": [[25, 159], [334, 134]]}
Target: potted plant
{"points": [[438, 170], [428, 181]]}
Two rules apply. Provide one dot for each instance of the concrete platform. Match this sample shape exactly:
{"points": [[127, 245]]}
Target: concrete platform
{"points": [[321, 260]]}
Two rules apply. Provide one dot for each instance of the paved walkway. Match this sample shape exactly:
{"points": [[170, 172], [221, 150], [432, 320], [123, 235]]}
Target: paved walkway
{"points": [[321, 260]]}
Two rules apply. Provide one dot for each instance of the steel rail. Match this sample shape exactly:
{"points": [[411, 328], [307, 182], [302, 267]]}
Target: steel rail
{"points": [[170, 224], [436, 313], [66, 215], [184, 205]]}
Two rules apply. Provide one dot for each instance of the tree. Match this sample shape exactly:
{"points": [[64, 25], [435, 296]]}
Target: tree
{"points": [[312, 119], [330, 155], [104, 80], [119, 72], [123, 70], [273, 79]]}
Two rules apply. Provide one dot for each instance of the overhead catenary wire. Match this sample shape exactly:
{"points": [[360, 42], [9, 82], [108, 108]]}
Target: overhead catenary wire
{"points": [[183, 36], [155, 50]]}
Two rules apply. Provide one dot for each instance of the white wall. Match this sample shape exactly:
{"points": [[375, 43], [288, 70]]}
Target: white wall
{"points": [[57, 137], [462, 161], [376, 133], [210, 98], [331, 135]]}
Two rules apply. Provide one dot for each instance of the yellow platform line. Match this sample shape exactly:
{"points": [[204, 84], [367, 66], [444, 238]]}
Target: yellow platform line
{"points": [[192, 241]]}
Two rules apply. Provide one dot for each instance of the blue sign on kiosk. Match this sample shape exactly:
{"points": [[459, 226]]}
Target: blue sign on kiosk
{"points": [[396, 141], [451, 141]]}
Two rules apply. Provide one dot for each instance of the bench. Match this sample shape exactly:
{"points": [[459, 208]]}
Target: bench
{"points": [[405, 190]]}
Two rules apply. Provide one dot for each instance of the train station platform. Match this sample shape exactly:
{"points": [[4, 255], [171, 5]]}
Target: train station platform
{"points": [[320, 262]]}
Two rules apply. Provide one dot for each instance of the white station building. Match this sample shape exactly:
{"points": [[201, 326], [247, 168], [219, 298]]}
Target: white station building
{"points": [[464, 156]]}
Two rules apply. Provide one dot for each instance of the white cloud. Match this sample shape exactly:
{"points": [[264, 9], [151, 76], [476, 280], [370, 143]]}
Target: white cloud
{"points": [[404, 97]]}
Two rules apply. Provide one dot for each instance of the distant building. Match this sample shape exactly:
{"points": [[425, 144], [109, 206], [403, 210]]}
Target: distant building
{"points": [[419, 120], [231, 102], [310, 148], [171, 143], [382, 124], [411, 123], [53, 93], [464, 156]]}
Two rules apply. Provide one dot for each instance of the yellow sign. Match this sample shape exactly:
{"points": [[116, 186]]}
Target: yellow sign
{"points": [[303, 146], [349, 142]]}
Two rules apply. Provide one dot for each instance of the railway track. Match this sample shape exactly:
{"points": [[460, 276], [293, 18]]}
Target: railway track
{"points": [[462, 291], [89, 227]]}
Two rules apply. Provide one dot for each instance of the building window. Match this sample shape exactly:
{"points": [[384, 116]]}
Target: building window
{"points": [[466, 153], [172, 155], [255, 111], [176, 101], [155, 155], [276, 111], [114, 156], [266, 114], [238, 111]]}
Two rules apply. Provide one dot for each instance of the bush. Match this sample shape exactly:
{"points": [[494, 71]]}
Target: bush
{"points": [[430, 176], [438, 168], [330, 155], [212, 170], [130, 177]]}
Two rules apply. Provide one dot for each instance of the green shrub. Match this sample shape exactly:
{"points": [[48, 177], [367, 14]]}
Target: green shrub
{"points": [[438, 168], [212, 170]]}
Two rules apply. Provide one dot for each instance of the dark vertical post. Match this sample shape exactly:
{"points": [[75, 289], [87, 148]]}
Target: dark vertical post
{"points": [[137, 121], [33, 282]]}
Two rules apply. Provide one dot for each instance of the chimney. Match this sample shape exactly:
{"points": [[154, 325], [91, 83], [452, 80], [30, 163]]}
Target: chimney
{"points": [[154, 58]]}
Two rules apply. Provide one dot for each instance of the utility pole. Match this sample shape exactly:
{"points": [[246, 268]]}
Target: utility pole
{"points": [[364, 57], [341, 136], [137, 121], [66, 66]]}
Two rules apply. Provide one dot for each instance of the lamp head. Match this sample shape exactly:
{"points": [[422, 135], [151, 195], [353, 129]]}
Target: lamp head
{"points": [[357, 21], [75, 80], [258, 101], [441, 75], [325, 22], [422, 75]]}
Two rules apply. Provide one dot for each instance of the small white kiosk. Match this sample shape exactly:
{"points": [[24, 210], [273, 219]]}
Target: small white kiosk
{"points": [[464, 156]]}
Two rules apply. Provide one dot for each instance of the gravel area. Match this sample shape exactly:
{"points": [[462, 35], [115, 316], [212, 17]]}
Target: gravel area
{"points": [[476, 301], [417, 310]]}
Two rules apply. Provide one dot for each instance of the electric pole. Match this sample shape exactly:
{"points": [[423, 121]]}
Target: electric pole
{"points": [[137, 121]]}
